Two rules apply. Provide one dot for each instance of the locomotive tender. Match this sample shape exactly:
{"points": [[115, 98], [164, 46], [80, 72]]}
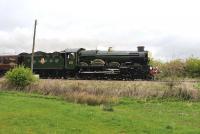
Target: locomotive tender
{"points": [[89, 64]]}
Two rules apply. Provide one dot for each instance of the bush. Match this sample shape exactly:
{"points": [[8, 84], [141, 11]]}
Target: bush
{"points": [[174, 68], [178, 68], [193, 67], [20, 77]]}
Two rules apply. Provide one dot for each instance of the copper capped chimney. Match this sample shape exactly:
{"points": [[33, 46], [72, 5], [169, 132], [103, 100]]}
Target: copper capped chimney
{"points": [[140, 48]]}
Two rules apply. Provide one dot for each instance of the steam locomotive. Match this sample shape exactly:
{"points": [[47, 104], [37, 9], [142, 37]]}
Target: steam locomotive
{"points": [[84, 64]]}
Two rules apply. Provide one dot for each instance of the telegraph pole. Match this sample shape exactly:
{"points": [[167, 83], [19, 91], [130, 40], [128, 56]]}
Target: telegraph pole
{"points": [[33, 48]]}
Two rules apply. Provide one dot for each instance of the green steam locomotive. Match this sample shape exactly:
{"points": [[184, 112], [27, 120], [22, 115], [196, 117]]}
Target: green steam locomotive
{"points": [[90, 64]]}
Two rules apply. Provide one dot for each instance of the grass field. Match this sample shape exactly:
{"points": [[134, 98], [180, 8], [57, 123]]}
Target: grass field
{"points": [[29, 113], [95, 92]]}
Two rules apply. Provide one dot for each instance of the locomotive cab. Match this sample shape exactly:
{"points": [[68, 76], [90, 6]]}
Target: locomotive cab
{"points": [[71, 58]]}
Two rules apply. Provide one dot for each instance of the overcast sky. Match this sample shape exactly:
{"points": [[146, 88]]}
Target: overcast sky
{"points": [[167, 28]]}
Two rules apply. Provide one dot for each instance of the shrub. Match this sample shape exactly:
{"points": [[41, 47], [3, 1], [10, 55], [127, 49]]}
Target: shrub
{"points": [[155, 63], [20, 77], [193, 67], [178, 68], [174, 68]]}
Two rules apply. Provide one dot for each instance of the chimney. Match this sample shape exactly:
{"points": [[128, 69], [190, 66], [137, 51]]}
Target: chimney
{"points": [[109, 49], [140, 48]]}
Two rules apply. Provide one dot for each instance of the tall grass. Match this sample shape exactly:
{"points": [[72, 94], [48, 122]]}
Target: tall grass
{"points": [[105, 92]]}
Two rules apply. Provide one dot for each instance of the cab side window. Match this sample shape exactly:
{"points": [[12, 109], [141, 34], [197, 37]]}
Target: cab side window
{"points": [[71, 56]]}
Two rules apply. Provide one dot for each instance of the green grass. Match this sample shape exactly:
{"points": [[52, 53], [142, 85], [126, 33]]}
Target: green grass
{"points": [[22, 113]]}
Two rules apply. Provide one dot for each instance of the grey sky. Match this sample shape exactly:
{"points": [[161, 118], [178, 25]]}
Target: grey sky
{"points": [[168, 28]]}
